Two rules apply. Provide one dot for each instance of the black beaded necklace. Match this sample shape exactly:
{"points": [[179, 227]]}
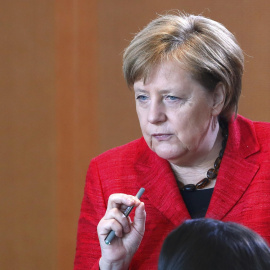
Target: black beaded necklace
{"points": [[213, 172]]}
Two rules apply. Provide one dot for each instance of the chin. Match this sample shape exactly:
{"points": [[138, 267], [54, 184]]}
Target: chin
{"points": [[168, 155]]}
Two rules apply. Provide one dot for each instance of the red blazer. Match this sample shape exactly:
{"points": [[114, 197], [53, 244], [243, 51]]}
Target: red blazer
{"points": [[241, 193]]}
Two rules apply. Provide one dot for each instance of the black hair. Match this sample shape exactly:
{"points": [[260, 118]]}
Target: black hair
{"points": [[207, 244]]}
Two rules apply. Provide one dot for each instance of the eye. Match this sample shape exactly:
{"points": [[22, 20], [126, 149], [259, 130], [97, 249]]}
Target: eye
{"points": [[142, 97], [171, 98]]}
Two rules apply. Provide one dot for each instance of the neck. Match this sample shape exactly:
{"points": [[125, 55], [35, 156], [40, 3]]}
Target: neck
{"points": [[193, 172]]}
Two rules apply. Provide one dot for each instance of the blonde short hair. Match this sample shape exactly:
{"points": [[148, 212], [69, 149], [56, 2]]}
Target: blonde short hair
{"points": [[203, 47]]}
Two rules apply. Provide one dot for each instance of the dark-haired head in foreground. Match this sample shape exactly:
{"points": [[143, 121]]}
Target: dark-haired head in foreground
{"points": [[208, 244]]}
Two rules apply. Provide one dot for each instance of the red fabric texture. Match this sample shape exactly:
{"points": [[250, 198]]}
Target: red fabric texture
{"points": [[241, 193]]}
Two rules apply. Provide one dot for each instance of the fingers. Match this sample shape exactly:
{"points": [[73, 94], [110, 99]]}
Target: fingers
{"points": [[115, 220], [105, 226], [119, 199], [116, 216]]}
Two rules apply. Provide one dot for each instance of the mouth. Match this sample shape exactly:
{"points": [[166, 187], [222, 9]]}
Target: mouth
{"points": [[162, 136]]}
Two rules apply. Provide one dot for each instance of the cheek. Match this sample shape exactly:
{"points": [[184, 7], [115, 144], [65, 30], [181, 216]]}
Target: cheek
{"points": [[200, 114], [139, 115], [142, 121], [192, 124]]}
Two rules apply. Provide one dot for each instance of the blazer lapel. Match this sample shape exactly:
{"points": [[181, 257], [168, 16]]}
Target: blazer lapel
{"points": [[236, 171], [156, 176], [231, 184]]}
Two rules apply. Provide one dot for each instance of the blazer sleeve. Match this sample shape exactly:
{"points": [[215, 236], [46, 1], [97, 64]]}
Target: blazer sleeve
{"points": [[93, 209]]}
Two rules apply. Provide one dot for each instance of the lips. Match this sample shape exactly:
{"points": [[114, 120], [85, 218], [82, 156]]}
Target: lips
{"points": [[162, 136]]}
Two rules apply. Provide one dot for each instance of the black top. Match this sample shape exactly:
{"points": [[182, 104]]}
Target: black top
{"points": [[197, 201]]}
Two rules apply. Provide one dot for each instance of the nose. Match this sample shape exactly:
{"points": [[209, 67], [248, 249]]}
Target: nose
{"points": [[156, 113]]}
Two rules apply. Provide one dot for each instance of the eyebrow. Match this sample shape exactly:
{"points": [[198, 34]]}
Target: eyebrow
{"points": [[140, 90], [164, 91]]}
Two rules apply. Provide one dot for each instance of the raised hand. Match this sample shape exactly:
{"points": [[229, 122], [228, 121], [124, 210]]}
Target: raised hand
{"points": [[129, 234]]}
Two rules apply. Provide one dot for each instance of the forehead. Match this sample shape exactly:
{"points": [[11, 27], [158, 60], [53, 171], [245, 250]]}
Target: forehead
{"points": [[166, 75]]}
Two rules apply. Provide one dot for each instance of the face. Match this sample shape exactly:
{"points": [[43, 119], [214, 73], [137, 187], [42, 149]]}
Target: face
{"points": [[175, 114]]}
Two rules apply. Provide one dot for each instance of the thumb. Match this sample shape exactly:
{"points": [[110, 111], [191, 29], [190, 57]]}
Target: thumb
{"points": [[139, 219]]}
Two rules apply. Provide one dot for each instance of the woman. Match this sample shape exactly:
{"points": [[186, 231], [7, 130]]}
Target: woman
{"points": [[206, 244], [197, 158]]}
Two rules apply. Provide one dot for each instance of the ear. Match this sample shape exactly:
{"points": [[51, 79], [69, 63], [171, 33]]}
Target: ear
{"points": [[218, 99]]}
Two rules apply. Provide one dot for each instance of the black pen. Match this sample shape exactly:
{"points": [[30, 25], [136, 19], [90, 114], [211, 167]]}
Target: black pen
{"points": [[111, 234]]}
